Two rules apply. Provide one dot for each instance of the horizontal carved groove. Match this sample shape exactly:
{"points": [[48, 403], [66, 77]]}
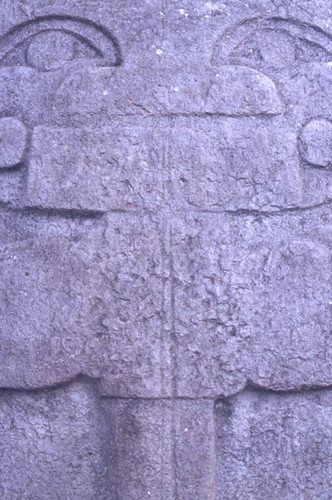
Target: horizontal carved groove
{"points": [[251, 386], [51, 387]]}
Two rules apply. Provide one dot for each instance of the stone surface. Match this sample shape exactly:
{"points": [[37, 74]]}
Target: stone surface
{"points": [[252, 301], [274, 445], [242, 91], [165, 228], [53, 443], [316, 143], [79, 297], [164, 448], [12, 141], [95, 170], [234, 164]]}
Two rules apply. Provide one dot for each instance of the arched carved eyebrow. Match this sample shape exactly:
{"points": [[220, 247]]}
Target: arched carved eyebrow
{"points": [[97, 37], [301, 33]]}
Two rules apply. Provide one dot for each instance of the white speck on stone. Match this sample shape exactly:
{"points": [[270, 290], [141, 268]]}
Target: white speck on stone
{"points": [[182, 12], [105, 92], [186, 429], [186, 14], [176, 89], [207, 16], [217, 74], [159, 52], [329, 63], [162, 14], [211, 6]]}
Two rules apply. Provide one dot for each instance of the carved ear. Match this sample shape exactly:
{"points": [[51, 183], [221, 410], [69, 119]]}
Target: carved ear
{"points": [[13, 135], [272, 44], [315, 143], [47, 42]]}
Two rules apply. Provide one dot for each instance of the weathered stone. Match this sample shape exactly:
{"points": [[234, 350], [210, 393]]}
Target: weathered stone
{"points": [[54, 443], [165, 242], [157, 445], [194, 449], [83, 296], [273, 44], [252, 301], [274, 445], [96, 169], [316, 143], [241, 91], [141, 449], [12, 141], [234, 164], [50, 50]]}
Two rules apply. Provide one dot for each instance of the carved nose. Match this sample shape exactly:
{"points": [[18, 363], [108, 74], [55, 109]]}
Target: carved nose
{"points": [[12, 142], [315, 143]]}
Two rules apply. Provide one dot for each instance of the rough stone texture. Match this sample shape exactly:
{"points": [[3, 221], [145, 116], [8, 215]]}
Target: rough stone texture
{"points": [[163, 448], [53, 443], [80, 297], [234, 164], [316, 143], [96, 169], [12, 140], [252, 300], [274, 445], [165, 256]]}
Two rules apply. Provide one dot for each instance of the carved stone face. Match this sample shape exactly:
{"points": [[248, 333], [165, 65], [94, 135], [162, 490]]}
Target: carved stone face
{"points": [[165, 228], [69, 271], [254, 267], [96, 179]]}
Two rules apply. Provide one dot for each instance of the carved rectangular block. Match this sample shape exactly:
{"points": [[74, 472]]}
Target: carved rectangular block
{"points": [[96, 169], [274, 445], [165, 230], [161, 449], [194, 449], [141, 449], [84, 296], [54, 443], [252, 301], [234, 163]]}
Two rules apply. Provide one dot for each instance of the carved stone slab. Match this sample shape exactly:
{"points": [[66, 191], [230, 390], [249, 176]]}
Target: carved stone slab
{"points": [[165, 249]]}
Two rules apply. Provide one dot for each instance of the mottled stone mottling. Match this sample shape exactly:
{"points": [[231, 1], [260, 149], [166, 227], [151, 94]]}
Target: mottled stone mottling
{"points": [[165, 249]]}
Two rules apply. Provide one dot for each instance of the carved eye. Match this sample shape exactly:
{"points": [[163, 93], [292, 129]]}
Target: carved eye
{"points": [[47, 43], [273, 44]]}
